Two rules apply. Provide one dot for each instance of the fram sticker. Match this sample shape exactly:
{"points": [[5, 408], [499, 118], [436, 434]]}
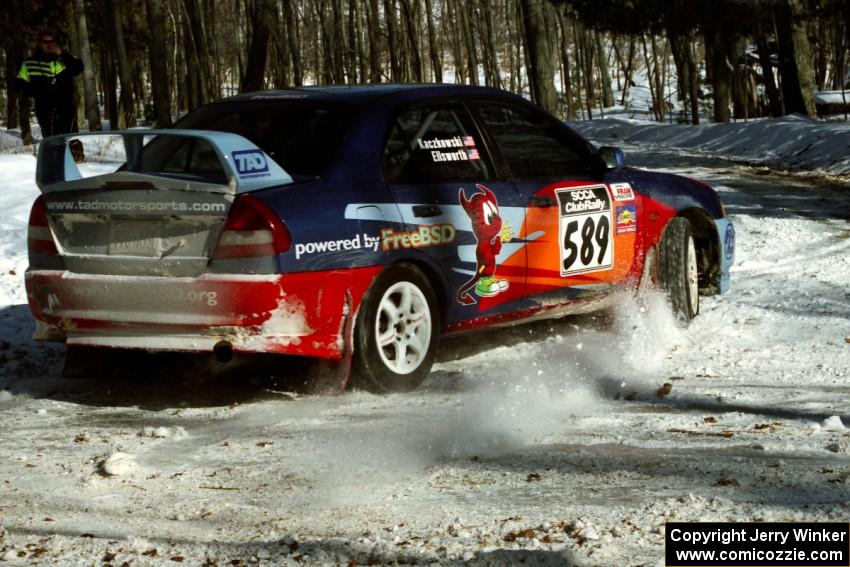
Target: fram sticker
{"points": [[622, 192], [250, 163], [626, 219]]}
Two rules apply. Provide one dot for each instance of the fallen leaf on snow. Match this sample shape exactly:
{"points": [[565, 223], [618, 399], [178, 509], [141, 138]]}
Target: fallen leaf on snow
{"points": [[726, 434], [664, 390], [532, 477], [513, 536], [709, 419]]}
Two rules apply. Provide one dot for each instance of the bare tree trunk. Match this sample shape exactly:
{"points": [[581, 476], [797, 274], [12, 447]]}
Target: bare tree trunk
{"points": [[566, 80], [14, 55], [159, 65], [199, 60], [679, 45], [92, 108], [492, 52], [375, 46], [693, 80], [412, 35], [773, 97], [795, 63], [127, 118], [540, 69], [263, 15], [627, 73], [24, 120], [721, 72], [452, 31], [433, 46], [109, 87], [839, 54], [470, 41], [604, 75], [392, 39], [293, 37], [585, 63], [351, 36], [651, 72]]}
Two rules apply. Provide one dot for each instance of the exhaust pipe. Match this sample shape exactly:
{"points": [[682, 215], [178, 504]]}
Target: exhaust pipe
{"points": [[223, 351]]}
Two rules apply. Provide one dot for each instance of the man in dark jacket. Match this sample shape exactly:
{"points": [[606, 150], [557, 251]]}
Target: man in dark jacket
{"points": [[48, 76]]}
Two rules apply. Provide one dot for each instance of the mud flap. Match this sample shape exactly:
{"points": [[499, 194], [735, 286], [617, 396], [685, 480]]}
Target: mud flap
{"points": [[330, 377]]}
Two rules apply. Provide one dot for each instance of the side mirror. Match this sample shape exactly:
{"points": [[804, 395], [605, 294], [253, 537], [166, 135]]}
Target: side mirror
{"points": [[611, 157]]}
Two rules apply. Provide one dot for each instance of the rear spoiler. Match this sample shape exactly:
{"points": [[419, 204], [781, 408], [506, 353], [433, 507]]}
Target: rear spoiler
{"points": [[246, 167]]}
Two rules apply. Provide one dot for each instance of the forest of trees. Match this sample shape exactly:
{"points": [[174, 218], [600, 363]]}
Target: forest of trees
{"points": [[149, 61]]}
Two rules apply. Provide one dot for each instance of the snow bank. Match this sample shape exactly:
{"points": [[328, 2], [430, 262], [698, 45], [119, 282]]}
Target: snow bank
{"points": [[10, 142], [793, 142]]}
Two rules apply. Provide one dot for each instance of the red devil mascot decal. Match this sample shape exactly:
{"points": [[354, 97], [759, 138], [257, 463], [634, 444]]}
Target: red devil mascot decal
{"points": [[483, 211]]}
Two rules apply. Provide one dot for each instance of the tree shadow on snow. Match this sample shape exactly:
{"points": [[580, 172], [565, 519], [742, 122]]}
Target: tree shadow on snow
{"points": [[336, 551]]}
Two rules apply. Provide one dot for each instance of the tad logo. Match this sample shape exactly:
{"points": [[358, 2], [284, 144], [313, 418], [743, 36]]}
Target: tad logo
{"points": [[250, 163]]}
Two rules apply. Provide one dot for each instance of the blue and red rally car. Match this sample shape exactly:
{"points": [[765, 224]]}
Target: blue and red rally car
{"points": [[357, 224]]}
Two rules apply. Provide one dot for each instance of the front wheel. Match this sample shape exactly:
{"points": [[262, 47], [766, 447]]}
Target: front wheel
{"points": [[396, 332], [677, 268]]}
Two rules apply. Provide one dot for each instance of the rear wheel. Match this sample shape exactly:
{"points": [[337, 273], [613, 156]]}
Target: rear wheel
{"points": [[677, 268], [395, 335]]}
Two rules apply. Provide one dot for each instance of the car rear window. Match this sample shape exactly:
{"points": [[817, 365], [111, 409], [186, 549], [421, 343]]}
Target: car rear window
{"points": [[303, 137]]}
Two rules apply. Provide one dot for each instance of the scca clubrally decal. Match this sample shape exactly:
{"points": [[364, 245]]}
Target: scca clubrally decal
{"points": [[584, 230]]}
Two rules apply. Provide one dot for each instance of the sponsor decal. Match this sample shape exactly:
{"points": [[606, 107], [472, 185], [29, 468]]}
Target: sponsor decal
{"points": [[359, 242], [626, 219], [173, 294], [422, 237], [729, 242], [584, 230], [250, 163], [622, 192], [483, 211], [96, 205]]}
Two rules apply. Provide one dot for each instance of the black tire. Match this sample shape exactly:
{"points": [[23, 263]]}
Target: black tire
{"points": [[376, 367], [675, 252]]}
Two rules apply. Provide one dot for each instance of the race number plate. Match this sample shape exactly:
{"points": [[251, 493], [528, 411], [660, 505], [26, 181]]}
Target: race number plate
{"points": [[585, 230]]}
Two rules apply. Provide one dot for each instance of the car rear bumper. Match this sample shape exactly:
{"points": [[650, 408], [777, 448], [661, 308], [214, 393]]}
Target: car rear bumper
{"points": [[301, 314]]}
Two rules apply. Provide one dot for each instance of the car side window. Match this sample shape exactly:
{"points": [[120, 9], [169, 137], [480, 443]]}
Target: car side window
{"points": [[531, 146], [434, 144]]}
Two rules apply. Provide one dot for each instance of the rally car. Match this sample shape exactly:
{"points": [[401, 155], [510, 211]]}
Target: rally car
{"points": [[357, 224]]}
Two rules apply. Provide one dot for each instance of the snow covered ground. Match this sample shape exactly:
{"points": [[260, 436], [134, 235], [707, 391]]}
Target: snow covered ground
{"points": [[792, 143], [556, 443]]}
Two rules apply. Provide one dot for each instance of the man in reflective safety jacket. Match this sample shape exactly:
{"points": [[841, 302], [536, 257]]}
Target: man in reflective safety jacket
{"points": [[48, 76]]}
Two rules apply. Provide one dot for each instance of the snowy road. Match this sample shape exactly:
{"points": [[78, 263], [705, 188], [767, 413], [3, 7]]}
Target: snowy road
{"points": [[549, 443]]}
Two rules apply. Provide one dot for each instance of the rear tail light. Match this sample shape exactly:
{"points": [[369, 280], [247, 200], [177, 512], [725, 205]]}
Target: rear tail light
{"points": [[252, 229], [39, 236]]}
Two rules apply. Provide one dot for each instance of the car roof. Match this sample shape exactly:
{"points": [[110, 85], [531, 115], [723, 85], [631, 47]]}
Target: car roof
{"points": [[363, 94]]}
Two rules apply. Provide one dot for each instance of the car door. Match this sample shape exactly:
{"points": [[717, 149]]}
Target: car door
{"points": [[456, 209], [580, 231]]}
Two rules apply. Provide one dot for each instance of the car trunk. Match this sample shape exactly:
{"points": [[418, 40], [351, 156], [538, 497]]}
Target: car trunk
{"points": [[161, 213], [151, 230]]}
